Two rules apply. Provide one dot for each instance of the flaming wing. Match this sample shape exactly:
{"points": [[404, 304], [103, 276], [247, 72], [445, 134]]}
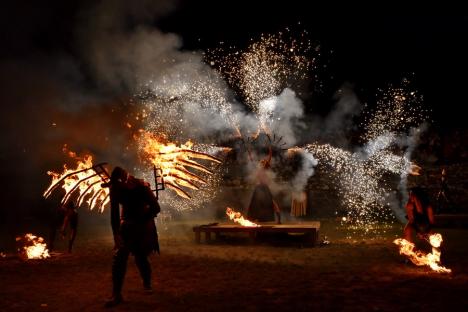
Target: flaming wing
{"points": [[174, 162], [85, 180]]}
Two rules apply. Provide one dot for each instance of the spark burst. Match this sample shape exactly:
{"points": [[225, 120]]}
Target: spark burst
{"points": [[266, 67], [171, 103], [261, 71], [363, 187]]}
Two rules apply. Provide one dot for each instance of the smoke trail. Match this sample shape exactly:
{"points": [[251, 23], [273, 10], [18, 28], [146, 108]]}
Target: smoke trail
{"points": [[411, 142], [340, 121], [120, 48], [306, 170], [282, 115]]}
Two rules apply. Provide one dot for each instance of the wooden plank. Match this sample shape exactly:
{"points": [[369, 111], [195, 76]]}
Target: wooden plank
{"points": [[309, 229]]}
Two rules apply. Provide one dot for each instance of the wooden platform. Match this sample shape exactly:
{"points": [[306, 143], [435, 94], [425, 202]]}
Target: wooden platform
{"points": [[310, 230]]}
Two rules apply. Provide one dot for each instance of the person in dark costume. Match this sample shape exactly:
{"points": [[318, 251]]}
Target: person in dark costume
{"points": [[420, 214], [70, 220], [444, 203], [262, 207], [133, 209], [56, 222]]}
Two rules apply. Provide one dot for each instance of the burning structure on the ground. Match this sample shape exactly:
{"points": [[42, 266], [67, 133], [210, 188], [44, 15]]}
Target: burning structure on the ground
{"points": [[32, 247], [420, 258]]}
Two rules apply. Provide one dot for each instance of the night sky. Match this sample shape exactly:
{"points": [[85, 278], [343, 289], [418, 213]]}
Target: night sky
{"points": [[42, 64], [371, 47]]}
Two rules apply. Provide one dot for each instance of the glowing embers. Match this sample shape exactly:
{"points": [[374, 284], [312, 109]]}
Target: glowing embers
{"points": [[419, 258], [174, 161], [238, 218], [85, 180], [33, 247]]}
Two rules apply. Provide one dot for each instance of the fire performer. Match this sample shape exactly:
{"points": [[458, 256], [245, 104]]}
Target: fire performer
{"points": [[133, 209], [56, 221], [70, 219], [262, 207], [420, 214], [443, 199]]}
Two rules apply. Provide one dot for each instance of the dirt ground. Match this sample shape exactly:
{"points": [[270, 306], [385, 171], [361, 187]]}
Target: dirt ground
{"points": [[355, 272]]}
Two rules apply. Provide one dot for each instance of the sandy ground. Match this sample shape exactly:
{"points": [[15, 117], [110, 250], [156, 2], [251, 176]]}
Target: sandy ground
{"points": [[361, 273]]}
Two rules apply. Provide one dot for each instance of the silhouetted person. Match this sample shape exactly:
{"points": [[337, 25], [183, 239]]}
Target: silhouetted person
{"points": [[443, 199], [133, 209], [262, 207], [56, 223], [420, 214], [70, 219]]}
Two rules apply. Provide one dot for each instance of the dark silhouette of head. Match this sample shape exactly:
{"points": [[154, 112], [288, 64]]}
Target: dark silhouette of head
{"points": [[118, 175]]}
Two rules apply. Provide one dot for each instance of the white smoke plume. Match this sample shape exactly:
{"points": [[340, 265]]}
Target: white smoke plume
{"points": [[340, 121], [283, 115], [411, 141], [306, 170], [122, 51]]}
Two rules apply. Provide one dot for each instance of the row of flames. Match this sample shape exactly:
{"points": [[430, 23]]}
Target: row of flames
{"points": [[420, 258]]}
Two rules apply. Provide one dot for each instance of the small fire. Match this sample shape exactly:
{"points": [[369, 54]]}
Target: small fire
{"points": [[237, 217], [34, 247], [419, 258], [174, 161], [82, 179]]}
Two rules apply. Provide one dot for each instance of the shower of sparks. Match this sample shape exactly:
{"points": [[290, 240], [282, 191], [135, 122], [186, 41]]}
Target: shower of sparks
{"points": [[363, 187], [171, 103], [193, 101], [266, 67], [358, 183], [398, 109]]}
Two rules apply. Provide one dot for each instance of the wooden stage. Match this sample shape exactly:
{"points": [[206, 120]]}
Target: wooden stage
{"points": [[310, 230]]}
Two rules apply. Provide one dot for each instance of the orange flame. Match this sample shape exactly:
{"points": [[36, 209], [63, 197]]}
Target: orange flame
{"points": [[238, 218], [174, 160], [414, 169], [419, 258], [87, 185], [34, 248]]}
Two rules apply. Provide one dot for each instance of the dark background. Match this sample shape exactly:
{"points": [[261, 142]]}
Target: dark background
{"points": [[371, 46], [366, 47]]}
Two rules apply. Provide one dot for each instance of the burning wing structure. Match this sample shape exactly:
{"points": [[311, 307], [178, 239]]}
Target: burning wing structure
{"points": [[174, 162], [85, 180]]}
